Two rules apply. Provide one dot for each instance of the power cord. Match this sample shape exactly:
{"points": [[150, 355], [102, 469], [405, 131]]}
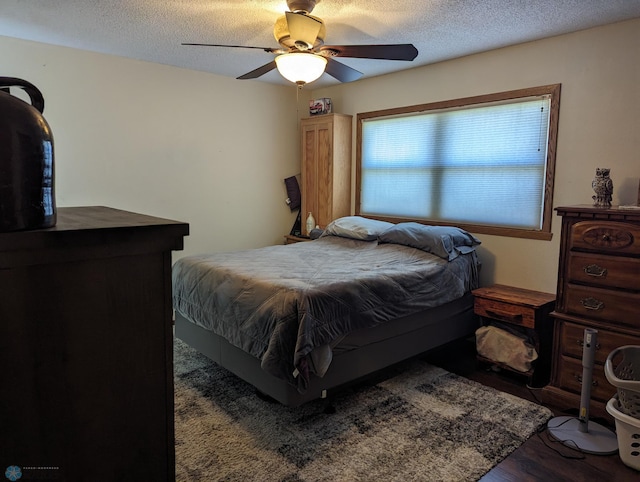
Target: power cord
{"points": [[569, 443], [548, 440], [533, 394]]}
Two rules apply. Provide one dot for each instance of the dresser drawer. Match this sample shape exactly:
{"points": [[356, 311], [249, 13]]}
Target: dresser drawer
{"points": [[572, 337], [605, 305], [506, 312], [570, 379], [605, 271], [605, 237]]}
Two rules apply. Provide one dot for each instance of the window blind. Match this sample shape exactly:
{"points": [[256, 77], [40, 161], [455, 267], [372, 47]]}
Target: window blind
{"points": [[480, 164]]}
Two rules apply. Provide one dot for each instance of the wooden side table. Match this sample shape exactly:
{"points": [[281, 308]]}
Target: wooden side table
{"points": [[290, 239], [528, 312]]}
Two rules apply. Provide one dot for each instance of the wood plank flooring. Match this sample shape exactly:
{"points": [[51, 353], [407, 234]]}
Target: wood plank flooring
{"points": [[540, 458]]}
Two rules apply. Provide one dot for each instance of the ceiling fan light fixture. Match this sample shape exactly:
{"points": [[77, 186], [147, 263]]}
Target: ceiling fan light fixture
{"points": [[301, 67]]}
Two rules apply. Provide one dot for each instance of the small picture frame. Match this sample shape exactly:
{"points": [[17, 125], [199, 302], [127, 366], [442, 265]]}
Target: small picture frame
{"points": [[320, 106]]}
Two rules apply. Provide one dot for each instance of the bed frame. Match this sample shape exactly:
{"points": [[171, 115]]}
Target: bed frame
{"points": [[361, 353]]}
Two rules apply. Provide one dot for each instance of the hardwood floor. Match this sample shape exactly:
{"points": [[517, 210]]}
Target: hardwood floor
{"points": [[540, 458]]}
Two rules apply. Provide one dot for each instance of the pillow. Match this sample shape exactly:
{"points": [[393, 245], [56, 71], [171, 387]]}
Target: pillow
{"points": [[443, 241], [356, 227]]}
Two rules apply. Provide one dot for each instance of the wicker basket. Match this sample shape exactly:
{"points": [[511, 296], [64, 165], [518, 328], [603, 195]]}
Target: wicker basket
{"points": [[625, 376], [628, 433]]}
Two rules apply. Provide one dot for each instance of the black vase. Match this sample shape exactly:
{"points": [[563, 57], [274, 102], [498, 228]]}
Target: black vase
{"points": [[27, 197]]}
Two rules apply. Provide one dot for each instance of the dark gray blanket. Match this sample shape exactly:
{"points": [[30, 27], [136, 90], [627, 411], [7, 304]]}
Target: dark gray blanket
{"points": [[280, 303]]}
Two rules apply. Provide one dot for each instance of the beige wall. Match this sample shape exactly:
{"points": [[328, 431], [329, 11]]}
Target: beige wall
{"points": [[213, 151], [599, 70], [167, 142]]}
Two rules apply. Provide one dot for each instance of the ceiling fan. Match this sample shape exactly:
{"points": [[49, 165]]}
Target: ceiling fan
{"points": [[302, 56]]}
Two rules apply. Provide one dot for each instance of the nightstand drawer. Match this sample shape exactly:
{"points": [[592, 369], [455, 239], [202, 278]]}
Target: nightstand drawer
{"points": [[572, 336], [505, 312]]}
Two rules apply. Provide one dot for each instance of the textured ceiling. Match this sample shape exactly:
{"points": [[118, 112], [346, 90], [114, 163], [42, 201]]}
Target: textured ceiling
{"points": [[153, 30]]}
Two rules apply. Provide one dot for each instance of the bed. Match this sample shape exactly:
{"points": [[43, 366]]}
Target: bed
{"points": [[298, 321]]}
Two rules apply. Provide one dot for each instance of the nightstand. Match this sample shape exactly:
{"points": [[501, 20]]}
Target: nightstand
{"points": [[527, 312], [290, 239]]}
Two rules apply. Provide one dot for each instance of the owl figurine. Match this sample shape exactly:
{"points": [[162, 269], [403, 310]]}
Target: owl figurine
{"points": [[603, 187]]}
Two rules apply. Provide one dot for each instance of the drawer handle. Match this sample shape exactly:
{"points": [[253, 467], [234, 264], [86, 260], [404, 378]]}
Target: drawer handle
{"points": [[581, 343], [594, 383], [501, 315], [595, 271], [592, 304]]}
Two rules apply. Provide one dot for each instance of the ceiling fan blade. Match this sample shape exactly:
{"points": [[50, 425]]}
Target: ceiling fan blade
{"points": [[382, 52], [303, 28], [341, 72], [266, 49], [254, 74]]}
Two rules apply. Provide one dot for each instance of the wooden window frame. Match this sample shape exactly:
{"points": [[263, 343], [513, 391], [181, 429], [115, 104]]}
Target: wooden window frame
{"points": [[552, 90]]}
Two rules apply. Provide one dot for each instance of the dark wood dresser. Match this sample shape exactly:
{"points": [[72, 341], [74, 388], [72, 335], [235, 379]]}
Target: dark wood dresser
{"points": [[599, 288], [86, 352]]}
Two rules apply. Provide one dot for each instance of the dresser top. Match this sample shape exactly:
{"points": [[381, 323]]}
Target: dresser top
{"points": [[101, 217], [92, 225], [588, 211]]}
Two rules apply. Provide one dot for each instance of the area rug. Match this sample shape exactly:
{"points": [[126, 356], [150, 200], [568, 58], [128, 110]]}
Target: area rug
{"points": [[416, 423]]}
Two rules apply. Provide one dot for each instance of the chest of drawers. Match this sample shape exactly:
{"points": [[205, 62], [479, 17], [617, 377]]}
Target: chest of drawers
{"points": [[599, 288], [86, 347]]}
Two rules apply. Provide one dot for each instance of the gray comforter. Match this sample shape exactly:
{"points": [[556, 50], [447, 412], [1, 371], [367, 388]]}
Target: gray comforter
{"points": [[283, 304]]}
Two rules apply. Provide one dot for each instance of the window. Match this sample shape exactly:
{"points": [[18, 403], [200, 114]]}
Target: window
{"points": [[484, 163]]}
